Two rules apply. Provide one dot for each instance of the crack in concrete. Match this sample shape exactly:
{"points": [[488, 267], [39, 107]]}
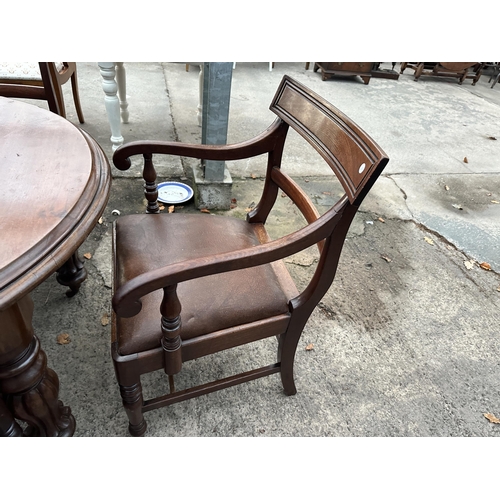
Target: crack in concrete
{"points": [[431, 231], [427, 229], [170, 103], [405, 196], [454, 247], [389, 176], [184, 164]]}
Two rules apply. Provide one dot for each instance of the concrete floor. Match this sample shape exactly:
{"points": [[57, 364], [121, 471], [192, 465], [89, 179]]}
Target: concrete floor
{"points": [[406, 340]]}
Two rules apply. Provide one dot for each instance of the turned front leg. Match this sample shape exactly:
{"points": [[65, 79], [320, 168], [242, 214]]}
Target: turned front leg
{"points": [[132, 402], [150, 186]]}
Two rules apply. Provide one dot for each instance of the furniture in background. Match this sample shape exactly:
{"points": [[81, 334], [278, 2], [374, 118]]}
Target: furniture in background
{"points": [[190, 285], [271, 66], [44, 81], [378, 72], [329, 69], [460, 70], [365, 70], [495, 75], [114, 84], [199, 109], [61, 174]]}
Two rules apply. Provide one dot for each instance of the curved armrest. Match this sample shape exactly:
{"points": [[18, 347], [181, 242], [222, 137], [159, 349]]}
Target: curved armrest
{"points": [[263, 143], [127, 299]]}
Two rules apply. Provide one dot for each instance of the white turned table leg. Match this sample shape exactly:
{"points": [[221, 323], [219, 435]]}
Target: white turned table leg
{"points": [[121, 80], [200, 102], [111, 101]]}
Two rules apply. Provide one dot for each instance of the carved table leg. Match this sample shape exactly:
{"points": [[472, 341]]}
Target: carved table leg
{"points": [[8, 426], [121, 81], [72, 274], [200, 102], [29, 388]]}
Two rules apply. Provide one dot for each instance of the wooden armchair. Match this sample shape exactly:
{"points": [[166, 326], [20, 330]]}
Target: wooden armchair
{"points": [[42, 81], [190, 285]]}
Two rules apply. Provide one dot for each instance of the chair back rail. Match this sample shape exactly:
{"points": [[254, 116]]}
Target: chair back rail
{"points": [[347, 149]]}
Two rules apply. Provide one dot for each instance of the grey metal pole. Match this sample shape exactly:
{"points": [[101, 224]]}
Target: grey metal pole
{"points": [[215, 117], [212, 180]]}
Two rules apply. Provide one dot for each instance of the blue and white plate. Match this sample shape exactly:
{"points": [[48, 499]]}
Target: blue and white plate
{"points": [[174, 192]]}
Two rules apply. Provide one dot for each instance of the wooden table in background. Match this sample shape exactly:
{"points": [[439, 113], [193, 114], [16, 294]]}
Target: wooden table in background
{"points": [[54, 186]]}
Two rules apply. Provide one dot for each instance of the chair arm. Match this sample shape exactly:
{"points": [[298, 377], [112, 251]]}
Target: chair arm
{"points": [[263, 143], [127, 299]]}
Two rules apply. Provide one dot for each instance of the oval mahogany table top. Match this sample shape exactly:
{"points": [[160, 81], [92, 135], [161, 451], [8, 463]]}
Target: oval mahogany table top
{"points": [[54, 186]]}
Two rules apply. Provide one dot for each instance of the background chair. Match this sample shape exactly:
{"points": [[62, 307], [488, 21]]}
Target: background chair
{"points": [[43, 81], [495, 75], [460, 70], [190, 285]]}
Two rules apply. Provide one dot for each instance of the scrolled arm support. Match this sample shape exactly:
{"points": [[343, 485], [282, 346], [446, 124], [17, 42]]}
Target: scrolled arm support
{"points": [[129, 308], [122, 163], [261, 144], [150, 187], [171, 327]]}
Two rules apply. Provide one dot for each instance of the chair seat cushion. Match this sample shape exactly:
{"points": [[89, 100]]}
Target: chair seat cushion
{"points": [[211, 303], [20, 71], [23, 70]]}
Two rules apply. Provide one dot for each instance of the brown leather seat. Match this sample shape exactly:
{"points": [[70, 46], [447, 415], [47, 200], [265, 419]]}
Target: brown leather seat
{"points": [[243, 296], [188, 286]]}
